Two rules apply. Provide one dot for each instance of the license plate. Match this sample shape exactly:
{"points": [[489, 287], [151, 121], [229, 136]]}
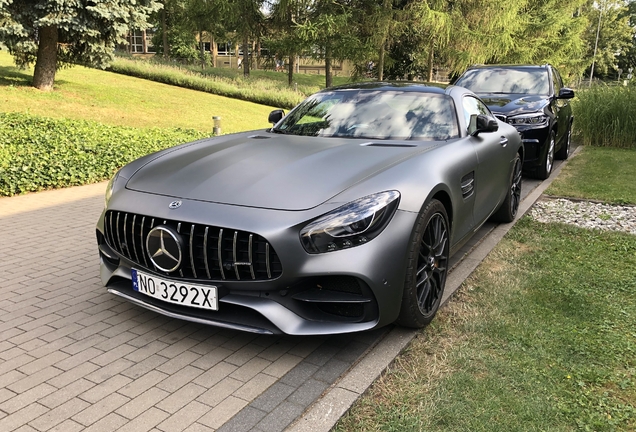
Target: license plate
{"points": [[176, 292]]}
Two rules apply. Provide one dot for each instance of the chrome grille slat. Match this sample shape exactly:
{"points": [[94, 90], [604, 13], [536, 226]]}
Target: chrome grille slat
{"points": [[134, 243], [121, 249], [249, 251], [220, 253], [143, 243], [238, 276], [194, 270], [267, 265], [205, 252], [240, 249]]}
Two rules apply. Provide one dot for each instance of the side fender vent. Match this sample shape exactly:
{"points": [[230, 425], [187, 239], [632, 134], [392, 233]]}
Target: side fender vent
{"points": [[468, 184]]}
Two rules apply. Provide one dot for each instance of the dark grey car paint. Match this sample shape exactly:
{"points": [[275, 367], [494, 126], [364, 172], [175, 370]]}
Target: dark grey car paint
{"points": [[275, 186]]}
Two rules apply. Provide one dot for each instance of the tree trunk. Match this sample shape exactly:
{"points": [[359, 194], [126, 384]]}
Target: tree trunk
{"points": [[257, 50], [328, 77], [214, 49], [292, 66], [164, 29], [46, 62], [246, 56], [430, 61], [381, 63], [202, 47]]}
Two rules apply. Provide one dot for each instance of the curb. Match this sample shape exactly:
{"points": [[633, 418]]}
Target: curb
{"points": [[323, 415]]}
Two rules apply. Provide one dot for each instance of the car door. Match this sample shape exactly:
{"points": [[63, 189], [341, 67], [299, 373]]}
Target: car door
{"points": [[561, 107], [493, 162]]}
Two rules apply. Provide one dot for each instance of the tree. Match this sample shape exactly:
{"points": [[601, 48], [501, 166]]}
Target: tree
{"points": [[54, 33]]}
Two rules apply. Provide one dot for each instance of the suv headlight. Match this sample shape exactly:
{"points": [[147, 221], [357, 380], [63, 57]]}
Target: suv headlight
{"points": [[350, 225], [533, 119]]}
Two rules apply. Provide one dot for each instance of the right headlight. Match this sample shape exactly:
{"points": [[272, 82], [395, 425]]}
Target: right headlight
{"points": [[537, 119], [350, 225], [110, 188]]}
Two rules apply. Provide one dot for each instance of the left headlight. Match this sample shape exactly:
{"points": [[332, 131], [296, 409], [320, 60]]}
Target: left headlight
{"points": [[537, 119], [350, 225], [110, 188]]}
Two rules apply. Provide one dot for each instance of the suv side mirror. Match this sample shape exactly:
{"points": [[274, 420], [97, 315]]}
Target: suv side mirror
{"points": [[275, 116], [482, 123], [565, 93]]}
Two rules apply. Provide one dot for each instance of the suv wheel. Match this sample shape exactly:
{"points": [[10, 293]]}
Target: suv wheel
{"points": [[543, 172]]}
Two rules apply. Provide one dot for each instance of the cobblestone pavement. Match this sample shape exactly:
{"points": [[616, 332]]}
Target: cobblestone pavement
{"points": [[73, 357]]}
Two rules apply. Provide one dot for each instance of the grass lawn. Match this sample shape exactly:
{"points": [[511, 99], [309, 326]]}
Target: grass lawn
{"points": [[599, 173], [541, 338], [83, 93]]}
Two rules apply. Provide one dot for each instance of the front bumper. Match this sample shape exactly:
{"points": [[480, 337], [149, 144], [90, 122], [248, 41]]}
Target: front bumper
{"points": [[344, 291], [535, 142]]}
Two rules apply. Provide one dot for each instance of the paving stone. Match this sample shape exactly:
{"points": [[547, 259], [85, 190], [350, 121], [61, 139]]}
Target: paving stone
{"points": [[281, 417], [220, 391], [100, 409], [308, 392], [244, 421], [59, 414], [331, 370], [142, 403], [142, 383], [255, 387], [221, 413], [282, 365], [26, 398], [299, 374], [273, 396], [180, 398], [183, 418], [67, 393]]}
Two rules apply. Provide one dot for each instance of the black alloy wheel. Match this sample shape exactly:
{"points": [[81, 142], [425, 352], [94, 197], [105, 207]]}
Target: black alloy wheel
{"points": [[428, 267], [543, 172], [509, 208]]}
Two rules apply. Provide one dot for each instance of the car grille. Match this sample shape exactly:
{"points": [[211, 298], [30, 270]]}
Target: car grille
{"points": [[209, 253]]}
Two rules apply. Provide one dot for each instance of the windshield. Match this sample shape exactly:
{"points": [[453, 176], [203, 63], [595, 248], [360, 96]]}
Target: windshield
{"points": [[505, 80], [395, 115]]}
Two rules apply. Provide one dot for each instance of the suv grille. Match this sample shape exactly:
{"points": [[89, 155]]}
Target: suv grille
{"points": [[209, 253]]}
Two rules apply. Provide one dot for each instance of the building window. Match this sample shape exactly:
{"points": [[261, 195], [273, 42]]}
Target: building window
{"points": [[136, 42]]}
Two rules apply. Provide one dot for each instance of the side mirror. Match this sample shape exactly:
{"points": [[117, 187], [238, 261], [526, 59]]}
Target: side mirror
{"points": [[565, 93], [482, 123], [275, 116]]}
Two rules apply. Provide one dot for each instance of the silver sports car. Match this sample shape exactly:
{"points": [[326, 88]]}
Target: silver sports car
{"points": [[340, 218]]}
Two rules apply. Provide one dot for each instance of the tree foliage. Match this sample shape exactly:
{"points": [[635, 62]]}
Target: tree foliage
{"points": [[54, 33]]}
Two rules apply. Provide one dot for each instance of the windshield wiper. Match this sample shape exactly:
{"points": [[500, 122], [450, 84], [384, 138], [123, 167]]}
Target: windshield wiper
{"points": [[279, 131]]}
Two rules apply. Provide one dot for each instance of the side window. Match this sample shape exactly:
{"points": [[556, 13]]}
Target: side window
{"points": [[472, 108]]}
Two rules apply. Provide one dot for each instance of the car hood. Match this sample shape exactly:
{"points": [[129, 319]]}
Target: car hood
{"points": [[269, 171], [514, 104]]}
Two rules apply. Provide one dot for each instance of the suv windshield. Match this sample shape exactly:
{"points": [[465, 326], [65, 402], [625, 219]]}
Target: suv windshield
{"points": [[506, 80], [396, 115]]}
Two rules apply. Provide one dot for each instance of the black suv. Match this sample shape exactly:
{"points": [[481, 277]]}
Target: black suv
{"points": [[532, 99]]}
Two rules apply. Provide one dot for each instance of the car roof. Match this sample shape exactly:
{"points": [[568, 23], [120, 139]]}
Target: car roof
{"points": [[508, 66], [409, 86]]}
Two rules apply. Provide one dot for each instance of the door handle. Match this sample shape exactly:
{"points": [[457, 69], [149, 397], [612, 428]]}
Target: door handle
{"points": [[503, 141]]}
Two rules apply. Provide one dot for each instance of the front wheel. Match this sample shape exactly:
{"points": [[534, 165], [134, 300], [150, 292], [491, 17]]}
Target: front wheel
{"points": [[564, 151], [543, 172], [508, 210], [427, 267]]}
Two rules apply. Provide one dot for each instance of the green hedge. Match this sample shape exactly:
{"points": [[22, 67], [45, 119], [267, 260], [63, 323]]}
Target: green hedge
{"points": [[41, 153], [266, 92], [606, 116]]}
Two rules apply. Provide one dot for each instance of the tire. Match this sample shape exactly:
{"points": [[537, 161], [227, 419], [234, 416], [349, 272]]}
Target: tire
{"points": [[543, 172], [564, 151], [508, 209], [427, 268]]}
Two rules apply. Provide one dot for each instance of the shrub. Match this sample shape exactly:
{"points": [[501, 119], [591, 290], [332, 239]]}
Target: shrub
{"points": [[256, 90], [606, 116], [41, 153]]}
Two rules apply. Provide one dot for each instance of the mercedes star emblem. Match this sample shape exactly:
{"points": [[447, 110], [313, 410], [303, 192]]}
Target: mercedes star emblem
{"points": [[164, 248], [175, 204]]}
